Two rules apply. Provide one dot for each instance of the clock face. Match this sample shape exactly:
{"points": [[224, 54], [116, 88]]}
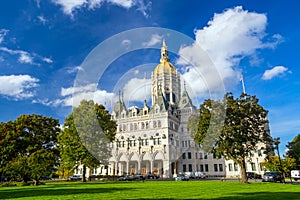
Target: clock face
{"points": [[184, 101]]}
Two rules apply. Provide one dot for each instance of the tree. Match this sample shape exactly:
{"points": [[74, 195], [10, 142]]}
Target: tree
{"points": [[85, 137], [294, 150], [273, 164], [25, 139], [41, 162], [8, 145], [232, 128]]}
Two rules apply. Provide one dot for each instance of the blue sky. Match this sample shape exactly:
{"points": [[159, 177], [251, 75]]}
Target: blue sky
{"points": [[44, 46]]}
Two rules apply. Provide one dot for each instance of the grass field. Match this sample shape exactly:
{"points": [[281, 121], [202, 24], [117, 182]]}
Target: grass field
{"points": [[154, 190]]}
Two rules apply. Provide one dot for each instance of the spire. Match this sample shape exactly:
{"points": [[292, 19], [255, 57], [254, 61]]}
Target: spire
{"points": [[119, 95], [164, 52], [185, 100]]}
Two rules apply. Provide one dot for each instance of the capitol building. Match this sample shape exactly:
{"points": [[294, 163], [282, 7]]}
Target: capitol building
{"points": [[155, 138]]}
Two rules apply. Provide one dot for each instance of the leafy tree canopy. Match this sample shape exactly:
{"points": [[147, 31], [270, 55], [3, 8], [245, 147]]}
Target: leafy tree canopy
{"points": [[232, 128], [294, 150], [27, 137], [85, 139], [273, 164]]}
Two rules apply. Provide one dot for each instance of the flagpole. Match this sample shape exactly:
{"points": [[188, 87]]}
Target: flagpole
{"points": [[145, 77], [243, 84]]}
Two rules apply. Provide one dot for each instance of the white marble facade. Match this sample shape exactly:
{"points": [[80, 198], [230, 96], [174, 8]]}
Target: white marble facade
{"points": [[155, 138]]}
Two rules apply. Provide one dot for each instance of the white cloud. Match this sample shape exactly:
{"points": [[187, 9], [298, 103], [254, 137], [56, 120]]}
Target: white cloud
{"points": [[3, 33], [38, 3], [25, 57], [275, 71], [72, 96], [69, 6], [42, 19], [155, 39], [47, 60], [76, 90], [142, 7], [71, 70], [18, 86], [137, 90], [122, 3], [228, 37], [126, 42]]}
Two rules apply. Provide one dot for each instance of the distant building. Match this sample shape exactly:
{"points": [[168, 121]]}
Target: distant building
{"points": [[156, 139]]}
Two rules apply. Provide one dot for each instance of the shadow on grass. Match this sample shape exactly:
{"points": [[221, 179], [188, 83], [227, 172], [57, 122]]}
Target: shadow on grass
{"points": [[115, 192], [247, 196], [264, 195], [56, 190]]}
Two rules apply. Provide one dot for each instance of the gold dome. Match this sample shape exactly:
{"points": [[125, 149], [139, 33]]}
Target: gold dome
{"points": [[164, 67]]}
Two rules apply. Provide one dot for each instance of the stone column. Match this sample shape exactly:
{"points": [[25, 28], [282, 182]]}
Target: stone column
{"points": [[166, 167], [139, 166], [127, 167], [151, 166]]}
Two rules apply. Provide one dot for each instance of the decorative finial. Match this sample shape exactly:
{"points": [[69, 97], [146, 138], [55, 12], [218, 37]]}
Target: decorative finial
{"points": [[164, 52], [164, 43]]}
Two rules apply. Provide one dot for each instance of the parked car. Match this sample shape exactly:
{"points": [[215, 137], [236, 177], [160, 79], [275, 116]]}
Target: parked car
{"points": [[45, 178], [136, 177], [75, 178], [253, 175], [295, 174], [126, 178], [152, 176], [191, 175], [272, 177], [199, 175], [93, 177], [182, 177]]}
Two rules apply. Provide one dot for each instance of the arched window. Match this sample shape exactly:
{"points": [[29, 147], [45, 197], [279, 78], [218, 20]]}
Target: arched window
{"points": [[143, 125], [154, 124]]}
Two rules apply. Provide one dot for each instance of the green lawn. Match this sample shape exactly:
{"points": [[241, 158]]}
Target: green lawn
{"points": [[154, 190]]}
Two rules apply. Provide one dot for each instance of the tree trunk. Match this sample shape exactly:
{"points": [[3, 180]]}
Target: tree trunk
{"points": [[243, 171], [83, 173]]}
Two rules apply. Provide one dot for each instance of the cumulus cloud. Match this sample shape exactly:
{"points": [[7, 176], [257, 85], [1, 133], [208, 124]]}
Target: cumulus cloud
{"points": [[155, 39], [275, 71], [72, 96], [137, 89], [69, 6], [227, 39], [18, 86]]}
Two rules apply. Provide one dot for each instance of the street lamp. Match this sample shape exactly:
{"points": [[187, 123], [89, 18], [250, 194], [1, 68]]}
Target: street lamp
{"points": [[276, 142]]}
